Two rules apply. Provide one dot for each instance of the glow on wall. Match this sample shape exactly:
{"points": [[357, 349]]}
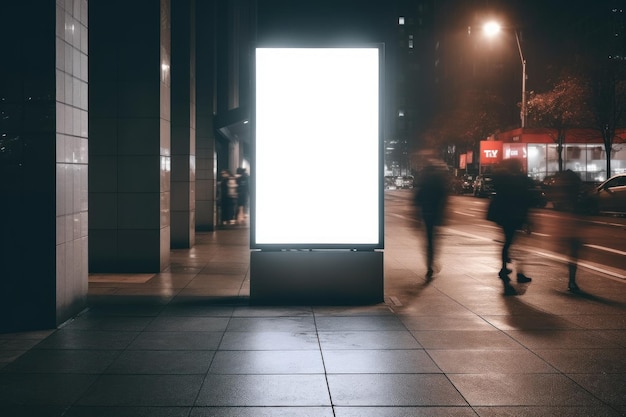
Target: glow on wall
{"points": [[317, 166]]}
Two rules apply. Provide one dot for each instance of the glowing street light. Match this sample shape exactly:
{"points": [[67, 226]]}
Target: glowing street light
{"points": [[491, 29]]}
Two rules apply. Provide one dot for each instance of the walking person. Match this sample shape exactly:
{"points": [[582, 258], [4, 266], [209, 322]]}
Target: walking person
{"points": [[565, 192], [509, 208], [430, 198], [227, 209]]}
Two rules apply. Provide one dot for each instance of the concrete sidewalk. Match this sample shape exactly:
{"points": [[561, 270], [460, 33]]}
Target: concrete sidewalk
{"points": [[186, 342]]}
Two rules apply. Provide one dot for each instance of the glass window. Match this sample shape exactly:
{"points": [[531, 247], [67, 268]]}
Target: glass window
{"points": [[596, 163], [575, 158], [618, 159], [537, 161]]}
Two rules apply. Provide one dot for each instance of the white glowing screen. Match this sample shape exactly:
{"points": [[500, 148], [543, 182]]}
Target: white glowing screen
{"points": [[317, 146]]}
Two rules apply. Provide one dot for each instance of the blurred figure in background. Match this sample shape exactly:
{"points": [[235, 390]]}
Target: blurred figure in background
{"points": [[566, 190], [243, 195], [430, 199], [509, 208], [227, 206]]}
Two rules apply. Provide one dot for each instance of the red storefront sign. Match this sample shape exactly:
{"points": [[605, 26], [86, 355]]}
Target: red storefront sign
{"points": [[462, 161], [515, 150], [490, 152]]}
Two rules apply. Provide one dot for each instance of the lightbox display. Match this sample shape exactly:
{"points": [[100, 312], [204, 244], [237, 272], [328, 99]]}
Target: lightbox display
{"points": [[317, 148]]}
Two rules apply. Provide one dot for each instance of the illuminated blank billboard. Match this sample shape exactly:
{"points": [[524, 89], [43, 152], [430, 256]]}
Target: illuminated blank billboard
{"points": [[317, 151]]}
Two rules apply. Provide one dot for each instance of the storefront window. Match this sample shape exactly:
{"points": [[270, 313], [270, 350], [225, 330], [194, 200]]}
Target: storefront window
{"points": [[618, 163], [596, 163], [575, 158], [553, 160], [536, 161]]}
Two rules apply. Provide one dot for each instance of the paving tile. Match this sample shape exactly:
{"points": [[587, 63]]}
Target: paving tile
{"points": [[404, 412], [336, 323], [465, 339], [610, 388], [63, 361], [393, 339], [521, 390], [188, 324], [177, 341], [88, 339], [105, 411], [463, 322], [599, 321], [271, 324], [379, 361], [180, 362], [143, 390], [42, 389], [268, 362], [502, 361], [190, 308], [271, 311], [264, 390], [108, 323], [586, 361], [561, 339], [397, 390], [237, 340], [32, 410], [262, 412], [543, 411], [529, 322]]}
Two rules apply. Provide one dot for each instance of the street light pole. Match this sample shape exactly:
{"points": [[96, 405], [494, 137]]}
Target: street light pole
{"points": [[523, 107], [492, 29]]}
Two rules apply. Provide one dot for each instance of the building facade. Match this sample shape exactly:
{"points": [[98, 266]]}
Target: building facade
{"points": [[115, 119], [582, 152]]}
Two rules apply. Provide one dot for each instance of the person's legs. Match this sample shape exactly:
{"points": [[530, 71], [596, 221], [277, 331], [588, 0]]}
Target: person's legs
{"points": [[509, 233], [574, 248], [430, 249]]}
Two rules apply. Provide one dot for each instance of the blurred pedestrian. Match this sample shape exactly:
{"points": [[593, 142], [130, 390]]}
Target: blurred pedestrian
{"points": [[243, 195], [566, 190], [227, 206], [509, 208], [430, 199]]}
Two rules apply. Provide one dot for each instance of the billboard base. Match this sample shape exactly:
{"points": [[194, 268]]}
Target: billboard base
{"points": [[316, 277]]}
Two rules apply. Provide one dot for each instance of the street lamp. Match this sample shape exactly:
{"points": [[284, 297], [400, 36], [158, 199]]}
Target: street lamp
{"points": [[492, 29]]}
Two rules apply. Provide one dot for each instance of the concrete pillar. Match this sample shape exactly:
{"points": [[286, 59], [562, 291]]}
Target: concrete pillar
{"points": [[183, 183], [43, 163], [206, 155], [129, 97]]}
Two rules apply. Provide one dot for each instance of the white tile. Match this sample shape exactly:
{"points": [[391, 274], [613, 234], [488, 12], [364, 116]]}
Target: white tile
{"points": [[60, 189], [60, 230], [60, 54], [67, 99]]}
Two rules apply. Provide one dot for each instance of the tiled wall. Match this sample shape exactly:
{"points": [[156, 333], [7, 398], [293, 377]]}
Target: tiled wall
{"points": [[206, 156], [71, 155], [130, 141], [183, 197]]}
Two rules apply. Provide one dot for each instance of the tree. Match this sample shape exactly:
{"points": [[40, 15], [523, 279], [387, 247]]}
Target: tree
{"points": [[608, 95], [563, 107], [470, 118]]}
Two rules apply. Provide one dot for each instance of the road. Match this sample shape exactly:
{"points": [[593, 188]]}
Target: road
{"points": [[604, 237]]}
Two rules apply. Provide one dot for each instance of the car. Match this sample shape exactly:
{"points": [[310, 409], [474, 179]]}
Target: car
{"points": [[608, 197], [463, 184], [483, 186], [408, 182]]}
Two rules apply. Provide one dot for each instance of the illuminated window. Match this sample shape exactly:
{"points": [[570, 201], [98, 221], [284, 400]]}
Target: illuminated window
{"points": [[401, 20]]}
